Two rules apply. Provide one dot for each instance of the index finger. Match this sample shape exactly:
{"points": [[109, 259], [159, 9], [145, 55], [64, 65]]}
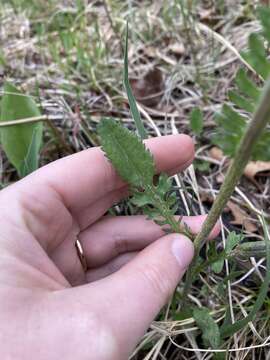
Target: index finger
{"points": [[85, 177]]}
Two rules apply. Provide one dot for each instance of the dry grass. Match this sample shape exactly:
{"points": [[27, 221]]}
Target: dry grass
{"points": [[74, 56]]}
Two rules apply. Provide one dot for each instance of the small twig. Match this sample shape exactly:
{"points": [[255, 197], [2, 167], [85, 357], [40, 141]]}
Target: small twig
{"points": [[34, 119], [24, 121], [235, 171]]}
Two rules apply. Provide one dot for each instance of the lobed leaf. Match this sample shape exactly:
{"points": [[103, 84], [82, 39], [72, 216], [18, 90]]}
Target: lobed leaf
{"points": [[164, 184], [246, 86], [232, 241], [264, 16], [262, 149], [256, 56], [241, 102], [141, 199], [231, 122]]}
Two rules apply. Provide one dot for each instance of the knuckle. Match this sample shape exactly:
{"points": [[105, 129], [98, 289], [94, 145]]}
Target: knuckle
{"points": [[121, 245]]}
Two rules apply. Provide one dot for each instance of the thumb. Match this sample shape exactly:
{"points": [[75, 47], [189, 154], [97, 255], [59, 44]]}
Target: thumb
{"points": [[141, 288]]}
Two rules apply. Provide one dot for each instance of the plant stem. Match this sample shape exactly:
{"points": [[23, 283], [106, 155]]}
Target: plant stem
{"points": [[166, 213], [235, 171]]}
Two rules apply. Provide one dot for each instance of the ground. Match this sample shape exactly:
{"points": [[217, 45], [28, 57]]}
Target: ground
{"points": [[182, 54]]}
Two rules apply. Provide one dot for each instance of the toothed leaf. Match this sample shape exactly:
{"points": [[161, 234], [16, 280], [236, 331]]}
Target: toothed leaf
{"points": [[132, 161], [264, 15], [210, 330], [240, 101], [256, 56], [246, 86], [141, 199], [164, 184], [196, 121], [231, 122]]}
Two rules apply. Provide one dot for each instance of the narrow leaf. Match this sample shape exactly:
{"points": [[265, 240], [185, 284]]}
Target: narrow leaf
{"points": [[31, 160], [131, 99]]}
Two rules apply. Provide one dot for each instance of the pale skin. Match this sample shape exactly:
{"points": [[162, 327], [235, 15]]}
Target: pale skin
{"points": [[50, 309]]}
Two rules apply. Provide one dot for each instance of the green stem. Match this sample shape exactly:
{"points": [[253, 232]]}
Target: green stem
{"points": [[243, 154], [166, 212], [255, 249], [163, 209]]}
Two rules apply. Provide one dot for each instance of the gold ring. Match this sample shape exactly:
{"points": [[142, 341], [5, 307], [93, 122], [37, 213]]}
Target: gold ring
{"points": [[81, 255]]}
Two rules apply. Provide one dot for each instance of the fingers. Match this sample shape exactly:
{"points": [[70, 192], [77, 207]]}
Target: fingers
{"points": [[83, 178], [109, 268], [113, 236], [141, 288], [109, 240], [96, 210]]}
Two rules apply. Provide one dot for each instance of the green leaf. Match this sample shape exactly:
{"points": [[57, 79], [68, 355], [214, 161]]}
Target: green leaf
{"points": [[164, 184], [217, 266], [255, 249], [141, 199], [235, 121], [215, 259], [202, 165], [21, 143], [183, 314], [232, 241], [264, 15], [208, 327], [246, 86], [240, 101], [135, 165], [232, 123], [256, 56], [219, 356], [196, 121], [262, 149], [127, 153], [31, 160], [131, 99]]}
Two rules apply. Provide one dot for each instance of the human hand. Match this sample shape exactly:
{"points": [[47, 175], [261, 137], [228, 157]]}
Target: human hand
{"points": [[49, 307]]}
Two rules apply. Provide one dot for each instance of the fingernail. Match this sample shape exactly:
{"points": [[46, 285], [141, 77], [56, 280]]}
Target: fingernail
{"points": [[183, 251]]}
